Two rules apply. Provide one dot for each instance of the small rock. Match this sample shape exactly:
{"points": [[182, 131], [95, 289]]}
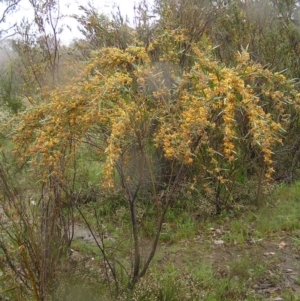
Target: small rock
{"points": [[218, 231], [282, 245]]}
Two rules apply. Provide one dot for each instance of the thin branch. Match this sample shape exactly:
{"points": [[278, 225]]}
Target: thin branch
{"points": [[101, 248], [9, 8]]}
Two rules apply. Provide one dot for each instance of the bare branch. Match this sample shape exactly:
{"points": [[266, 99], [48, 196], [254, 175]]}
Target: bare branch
{"points": [[10, 7]]}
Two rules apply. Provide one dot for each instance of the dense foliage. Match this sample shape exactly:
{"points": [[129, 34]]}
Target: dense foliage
{"points": [[196, 100]]}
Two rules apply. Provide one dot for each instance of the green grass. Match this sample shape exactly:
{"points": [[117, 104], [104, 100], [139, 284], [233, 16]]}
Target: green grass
{"points": [[183, 275], [282, 212], [179, 271], [188, 264], [87, 249]]}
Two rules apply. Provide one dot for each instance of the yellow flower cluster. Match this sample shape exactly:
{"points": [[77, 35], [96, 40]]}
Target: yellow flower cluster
{"points": [[202, 115]]}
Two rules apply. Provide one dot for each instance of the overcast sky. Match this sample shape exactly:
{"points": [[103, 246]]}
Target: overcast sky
{"points": [[69, 7]]}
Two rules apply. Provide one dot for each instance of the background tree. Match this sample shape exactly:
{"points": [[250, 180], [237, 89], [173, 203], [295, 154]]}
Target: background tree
{"points": [[38, 47], [8, 7], [101, 31]]}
